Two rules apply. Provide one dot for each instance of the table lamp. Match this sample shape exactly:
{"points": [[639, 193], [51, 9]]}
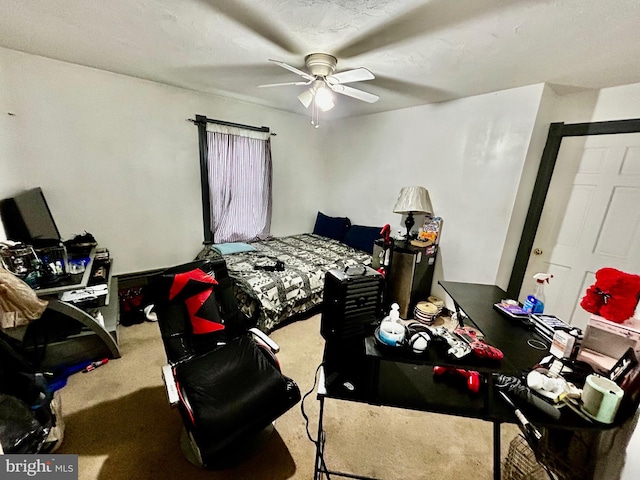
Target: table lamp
{"points": [[413, 200]]}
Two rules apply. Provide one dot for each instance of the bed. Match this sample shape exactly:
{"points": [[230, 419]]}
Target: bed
{"points": [[272, 293]]}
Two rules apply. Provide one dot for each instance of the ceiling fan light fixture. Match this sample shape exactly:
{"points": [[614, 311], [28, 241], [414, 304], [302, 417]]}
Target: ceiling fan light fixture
{"points": [[306, 97], [324, 82], [324, 99]]}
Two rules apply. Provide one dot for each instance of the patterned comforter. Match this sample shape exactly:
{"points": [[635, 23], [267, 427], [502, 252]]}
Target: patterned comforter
{"points": [[274, 296]]}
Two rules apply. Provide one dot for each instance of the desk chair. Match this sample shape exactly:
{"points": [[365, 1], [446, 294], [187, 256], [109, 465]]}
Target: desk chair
{"points": [[222, 375]]}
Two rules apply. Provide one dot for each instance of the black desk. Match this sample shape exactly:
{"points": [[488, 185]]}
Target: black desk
{"points": [[400, 380], [477, 301]]}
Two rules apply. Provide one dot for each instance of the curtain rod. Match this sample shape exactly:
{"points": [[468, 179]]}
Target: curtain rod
{"points": [[201, 119]]}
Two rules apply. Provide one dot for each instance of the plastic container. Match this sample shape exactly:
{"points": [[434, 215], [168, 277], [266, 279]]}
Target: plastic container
{"points": [[22, 261], [54, 259], [535, 301], [391, 331]]}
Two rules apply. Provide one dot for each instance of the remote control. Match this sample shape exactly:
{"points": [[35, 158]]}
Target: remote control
{"points": [[457, 348], [479, 346]]}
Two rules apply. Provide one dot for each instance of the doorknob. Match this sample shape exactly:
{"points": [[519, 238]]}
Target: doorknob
{"points": [[537, 251]]}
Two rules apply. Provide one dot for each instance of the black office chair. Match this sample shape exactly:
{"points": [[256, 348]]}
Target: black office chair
{"points": [[222, 375]]}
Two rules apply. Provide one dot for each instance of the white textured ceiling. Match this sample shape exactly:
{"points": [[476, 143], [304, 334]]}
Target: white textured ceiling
{"points": [[421, 51]]}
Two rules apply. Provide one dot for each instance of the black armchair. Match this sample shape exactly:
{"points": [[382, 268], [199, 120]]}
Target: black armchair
{"points": [[222, 375]]}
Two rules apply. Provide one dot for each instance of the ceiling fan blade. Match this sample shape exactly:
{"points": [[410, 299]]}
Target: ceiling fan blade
{"points": [[355, 93], [293, 69], [259, 24], [283, 84], [306, 98], [355, 75]]}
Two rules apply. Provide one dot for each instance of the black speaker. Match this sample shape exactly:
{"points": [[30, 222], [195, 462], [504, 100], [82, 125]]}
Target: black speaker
{"points": [[352, 300]]}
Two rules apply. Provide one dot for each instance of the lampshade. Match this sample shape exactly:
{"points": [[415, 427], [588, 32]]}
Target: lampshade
{"points": [[413, 199], [324, 99], [320, 97]]}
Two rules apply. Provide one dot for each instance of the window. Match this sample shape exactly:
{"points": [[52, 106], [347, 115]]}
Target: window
{"points": [[237, 178]]}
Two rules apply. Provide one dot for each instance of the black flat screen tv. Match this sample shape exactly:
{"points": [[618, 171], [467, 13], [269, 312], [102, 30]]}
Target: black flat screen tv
{"points": [[27, 218]]}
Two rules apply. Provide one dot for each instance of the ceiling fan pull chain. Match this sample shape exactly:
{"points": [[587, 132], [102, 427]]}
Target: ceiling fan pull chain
{"points": [[315, 115]]}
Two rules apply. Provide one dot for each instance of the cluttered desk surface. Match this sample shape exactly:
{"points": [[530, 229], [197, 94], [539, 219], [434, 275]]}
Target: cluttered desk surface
{"points": [[370, 371], [513, 338], [406, 381]]}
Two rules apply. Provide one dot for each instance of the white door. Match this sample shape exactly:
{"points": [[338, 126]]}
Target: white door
{"points": [[590, 220]]}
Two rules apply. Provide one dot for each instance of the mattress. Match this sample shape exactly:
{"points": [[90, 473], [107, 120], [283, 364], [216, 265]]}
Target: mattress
{"points": [[271, 292]]}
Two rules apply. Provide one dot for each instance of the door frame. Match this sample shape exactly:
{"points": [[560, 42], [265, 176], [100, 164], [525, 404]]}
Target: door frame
{"points": [[557, 131]]}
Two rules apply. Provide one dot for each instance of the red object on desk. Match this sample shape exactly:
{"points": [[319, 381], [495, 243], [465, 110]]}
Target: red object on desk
{"points": [[479, 346], [95, 365], [473, 377]]}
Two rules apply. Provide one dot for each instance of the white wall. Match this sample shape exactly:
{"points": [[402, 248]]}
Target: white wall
{"points": [[116, 156], [616, 103], [10, 176], [468, 153], [527, 180]]}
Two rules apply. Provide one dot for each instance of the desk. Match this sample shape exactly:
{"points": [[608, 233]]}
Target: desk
{"points": [[98, 339], [382, 378], [95, 340], [477, 301]]}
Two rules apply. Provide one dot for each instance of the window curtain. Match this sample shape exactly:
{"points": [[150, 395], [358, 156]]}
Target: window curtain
{"points": [[240, 176]]}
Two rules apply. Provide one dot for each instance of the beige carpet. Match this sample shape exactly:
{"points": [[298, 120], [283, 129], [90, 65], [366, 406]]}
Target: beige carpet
{"points": [[119, 423]]}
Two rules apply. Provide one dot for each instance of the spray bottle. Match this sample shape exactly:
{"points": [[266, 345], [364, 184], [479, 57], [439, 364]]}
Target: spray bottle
{"points": [[535, 302]]}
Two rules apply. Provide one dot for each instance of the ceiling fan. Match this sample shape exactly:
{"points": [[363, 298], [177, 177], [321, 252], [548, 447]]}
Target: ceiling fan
{"points": [[322, 81]]}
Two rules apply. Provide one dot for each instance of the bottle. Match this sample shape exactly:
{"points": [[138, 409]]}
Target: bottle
{"points": [[394, 314], [535, 301], [391, 331]]}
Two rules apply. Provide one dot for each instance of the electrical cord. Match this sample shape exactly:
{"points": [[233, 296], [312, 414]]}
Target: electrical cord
{"points": [[304, 415], [306, 420]]}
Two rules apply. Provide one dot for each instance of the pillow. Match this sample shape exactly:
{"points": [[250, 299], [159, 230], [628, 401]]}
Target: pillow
{"points": [[207, 318], [236, 247], [331, 227], [362, 237], [185, 285], [159, 290], [195, 289]]}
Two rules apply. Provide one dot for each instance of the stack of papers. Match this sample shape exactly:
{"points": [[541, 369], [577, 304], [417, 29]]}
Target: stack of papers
{"points": [[85, 294], [547, 325]]}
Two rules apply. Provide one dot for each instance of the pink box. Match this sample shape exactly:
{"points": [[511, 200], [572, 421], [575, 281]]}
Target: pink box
{"points": [[605, 342]]}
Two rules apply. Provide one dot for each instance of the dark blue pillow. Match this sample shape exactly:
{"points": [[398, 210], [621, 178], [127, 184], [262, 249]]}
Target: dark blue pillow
{"points": [[332, 227], [361, 237]]}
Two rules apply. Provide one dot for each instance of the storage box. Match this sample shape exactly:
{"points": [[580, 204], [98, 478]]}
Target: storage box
{"points": [[562, 344], [605, 342]]}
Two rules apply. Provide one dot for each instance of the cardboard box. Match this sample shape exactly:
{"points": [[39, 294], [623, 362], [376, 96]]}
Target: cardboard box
{"points": [[562, 344], [605, 342]]}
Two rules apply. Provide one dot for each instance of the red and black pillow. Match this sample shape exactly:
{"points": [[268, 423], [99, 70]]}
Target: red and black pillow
{"points": [[195, 289], [190, 317]]}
